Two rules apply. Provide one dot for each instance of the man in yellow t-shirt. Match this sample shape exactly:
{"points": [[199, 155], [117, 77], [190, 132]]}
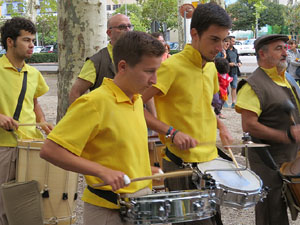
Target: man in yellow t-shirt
{"points": [[186, 83], [100, 65], [269, 104], [104, 134], [17, 37]]}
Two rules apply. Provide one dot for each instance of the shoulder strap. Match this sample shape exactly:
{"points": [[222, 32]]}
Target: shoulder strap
{"points": [[21, 98]]}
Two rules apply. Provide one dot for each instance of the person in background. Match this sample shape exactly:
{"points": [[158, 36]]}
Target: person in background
{"points": [[234, 63], [100, 65], [293, 60], [221, 97], [222, 54], [112, 139], [18, 37]]}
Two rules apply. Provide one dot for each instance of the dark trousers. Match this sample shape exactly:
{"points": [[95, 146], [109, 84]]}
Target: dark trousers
{"points": [[273, 209], [183, 183]]}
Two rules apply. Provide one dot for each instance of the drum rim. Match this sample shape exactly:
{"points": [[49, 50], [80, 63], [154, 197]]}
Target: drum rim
{"points": [[235, 189]]}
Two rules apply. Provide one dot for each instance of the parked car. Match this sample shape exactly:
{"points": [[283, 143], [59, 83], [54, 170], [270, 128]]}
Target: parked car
{"points": [[246, 47], [37, 49], [238, 46]]}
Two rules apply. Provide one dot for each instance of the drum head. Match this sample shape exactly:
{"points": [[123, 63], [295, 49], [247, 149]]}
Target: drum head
{"points": [[249, 181]]}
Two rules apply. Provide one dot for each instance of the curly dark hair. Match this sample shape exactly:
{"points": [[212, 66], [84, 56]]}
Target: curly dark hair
{"points": [[209, 14], [222, 65], [11, 29], [132, 45]]}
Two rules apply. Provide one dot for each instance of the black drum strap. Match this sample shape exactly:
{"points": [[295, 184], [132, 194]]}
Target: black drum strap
{"points": [[218, 218], [21, 98]]}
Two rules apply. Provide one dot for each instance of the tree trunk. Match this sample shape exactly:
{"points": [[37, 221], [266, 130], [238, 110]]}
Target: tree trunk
{"points": [[81, 33], [31, 11]]}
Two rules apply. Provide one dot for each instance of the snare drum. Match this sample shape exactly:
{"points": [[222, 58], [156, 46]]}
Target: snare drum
{"points": [[168, 207], [233, 190], [58, 186]]}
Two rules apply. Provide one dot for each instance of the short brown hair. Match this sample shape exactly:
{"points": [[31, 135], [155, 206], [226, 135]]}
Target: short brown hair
{"points": [[290, 42], [132, 45]]}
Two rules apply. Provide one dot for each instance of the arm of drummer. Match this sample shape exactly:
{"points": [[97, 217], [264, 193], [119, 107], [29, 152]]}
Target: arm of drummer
{"points": [[251, 124], [40, 117], [224, 134], [65, 159], [181, 140]]}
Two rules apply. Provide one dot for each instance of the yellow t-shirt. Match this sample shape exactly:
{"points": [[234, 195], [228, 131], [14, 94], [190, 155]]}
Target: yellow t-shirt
{"points": [[185, 104], [247, 98], [105, 126], [88, 71], [10, 87]]}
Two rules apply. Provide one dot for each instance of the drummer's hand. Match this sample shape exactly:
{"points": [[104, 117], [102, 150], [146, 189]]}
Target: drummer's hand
{"points": [[156, 170], [225, 136], [8, 123], [47, 127], [184, 141], [113, 178], [295, 131]]}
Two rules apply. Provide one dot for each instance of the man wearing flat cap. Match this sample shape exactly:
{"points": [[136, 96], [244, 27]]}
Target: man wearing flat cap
{"points": [[269, 105]]}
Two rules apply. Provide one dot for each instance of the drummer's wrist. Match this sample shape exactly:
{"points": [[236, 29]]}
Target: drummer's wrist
{"points": [[290, 136], [170, 132]]}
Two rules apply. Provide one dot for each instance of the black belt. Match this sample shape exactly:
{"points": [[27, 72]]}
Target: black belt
{"points": [[179, 162], [107, 195]]}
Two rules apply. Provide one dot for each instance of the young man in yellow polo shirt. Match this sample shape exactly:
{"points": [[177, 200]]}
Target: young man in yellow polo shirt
{"points": [[104, 134], [17, 37], [183, 94], [100, 65], [269, 104]]}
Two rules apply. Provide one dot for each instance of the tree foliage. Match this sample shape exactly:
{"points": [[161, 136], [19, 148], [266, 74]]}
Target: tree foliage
{"points": [[47, 28], [134, 12], [243, 14], [163, 11], [293, 18]]}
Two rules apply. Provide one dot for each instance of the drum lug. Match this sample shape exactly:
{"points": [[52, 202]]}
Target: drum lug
{"points": [[197, 206]]}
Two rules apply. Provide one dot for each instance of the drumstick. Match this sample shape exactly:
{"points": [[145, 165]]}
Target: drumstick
{"points": [[33, 124], [156, 176], [234, 160]]}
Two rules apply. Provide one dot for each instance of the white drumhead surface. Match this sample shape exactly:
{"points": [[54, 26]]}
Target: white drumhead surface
{"points": [[249, 181]]}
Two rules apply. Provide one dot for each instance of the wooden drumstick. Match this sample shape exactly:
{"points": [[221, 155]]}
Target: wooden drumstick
{"points": [[33, 124], [234, 160], [156, 176]]}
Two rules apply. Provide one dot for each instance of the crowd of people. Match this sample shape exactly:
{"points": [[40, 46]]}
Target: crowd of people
{"points": [[134, 70]]}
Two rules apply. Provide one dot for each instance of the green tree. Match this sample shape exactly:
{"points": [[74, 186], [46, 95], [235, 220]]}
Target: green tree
{"points": [[47, 28], [163, 11], [292, 18], [244, 14], [134, 12]]}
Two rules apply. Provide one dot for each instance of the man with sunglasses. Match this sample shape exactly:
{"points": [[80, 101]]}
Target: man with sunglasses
{"points": [[100, 65]]}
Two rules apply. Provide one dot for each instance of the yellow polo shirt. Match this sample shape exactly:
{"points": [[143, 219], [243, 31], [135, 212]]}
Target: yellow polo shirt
{"points": [[10, 87], [88, 71], [185, 104], [105, 126], [247, 98]]}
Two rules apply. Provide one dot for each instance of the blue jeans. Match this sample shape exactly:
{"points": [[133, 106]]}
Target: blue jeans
{"points": [[233, 83]]}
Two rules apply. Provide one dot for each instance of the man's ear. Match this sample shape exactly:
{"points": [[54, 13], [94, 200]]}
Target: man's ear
{"points": [[122, 65], [194, 33], [9, 42]]}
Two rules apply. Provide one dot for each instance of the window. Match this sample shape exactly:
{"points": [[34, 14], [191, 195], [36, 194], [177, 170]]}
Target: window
{"points": [[20, 7], [9, 8], [116, 6], [108, 7]]}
